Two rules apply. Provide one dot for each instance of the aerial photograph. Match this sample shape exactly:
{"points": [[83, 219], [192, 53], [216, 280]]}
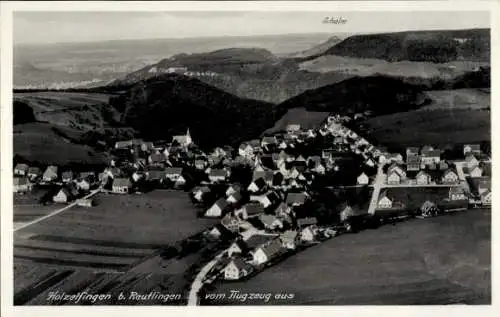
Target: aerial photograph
{"points": [[223, 158]]}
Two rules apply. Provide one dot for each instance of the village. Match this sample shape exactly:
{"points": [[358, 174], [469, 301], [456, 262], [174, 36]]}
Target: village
{"points": [[267, 191]]}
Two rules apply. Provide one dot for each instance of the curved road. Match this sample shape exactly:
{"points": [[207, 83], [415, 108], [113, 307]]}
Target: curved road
{"points": [[197, 284]]}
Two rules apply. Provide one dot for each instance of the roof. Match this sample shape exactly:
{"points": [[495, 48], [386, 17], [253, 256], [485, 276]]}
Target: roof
{"points": [[34, 170], [256, 240], [67, 174], [254, 143], [221, 203], [203, 189], [473, 147], [156, 157], [415, 159], [269, 139], [412, 150], [173, 170], [253, 208], [22, 166], [431, 153], [289, 235], [484, 183], [296, 198], [260, 182], [470, 157], [267, 219], [121, 182], [218, 173], [272, 248], [456, 190], [240, 264], [236, 195], [293, 126], [309, 221], [266, 175], [155, 174], [282, 207], [51, 168]]}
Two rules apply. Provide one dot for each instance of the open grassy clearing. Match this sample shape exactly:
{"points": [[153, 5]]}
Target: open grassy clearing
{"points": [[434, 261], [307, 119], [439, 127], [459, 99]]}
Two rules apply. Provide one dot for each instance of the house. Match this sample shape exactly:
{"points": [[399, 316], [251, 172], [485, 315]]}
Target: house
{"points": [[346, 212], [218, 209], [21, 185], [483, 186], [450, 177], [66, 194], [443, 166], [67, 176], [257, 185], [238, 247], [50, 174], [430, 157], [199, 193], [394, 167], [476, 172], [306, 222], [250, 209], [218, 175], [233, 188], [423, 178], [121, 185], [471, 161], [296, 199], [268, 199], [245, 150], [237, 269], [270, 221], [174, 174], [370, 162], [457, 193], [474, 149], [267, 252], [82, 184], [34, 173], [363, 179], [123, 144], [183, 140], [268, 140], [282, 210], [393, 178], [486, 198], [156, 159], [308, 234], [384, 202], [289, 239], [412, 151], [21, 169], [413, 162], [293, 128], [234, 198]]}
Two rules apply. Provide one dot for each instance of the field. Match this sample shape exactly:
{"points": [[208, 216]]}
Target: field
{"points": [[441, 260], [40, 143], [439, 127], [472, 99], [307, 119], [121, 231], [371, 66]]}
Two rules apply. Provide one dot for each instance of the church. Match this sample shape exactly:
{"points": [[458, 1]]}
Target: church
{"points": [[183, 140]]}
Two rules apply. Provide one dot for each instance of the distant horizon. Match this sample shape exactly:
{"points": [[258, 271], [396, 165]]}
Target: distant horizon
{"points": [[95, 27], [241, 36]]}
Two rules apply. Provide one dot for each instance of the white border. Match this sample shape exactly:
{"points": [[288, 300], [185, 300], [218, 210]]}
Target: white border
{"points": [[6, 10]]}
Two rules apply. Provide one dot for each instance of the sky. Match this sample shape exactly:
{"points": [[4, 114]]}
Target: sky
{"points": [[55, 27]]}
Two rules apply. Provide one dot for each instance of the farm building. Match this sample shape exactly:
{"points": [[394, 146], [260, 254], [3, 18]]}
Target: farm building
{"points": [[50, 174], [250, 209], [218, 175], [413, 163], [21, 169], [457, 193], [289, 239], [121, 185], [363, 179], [237, 269], [423, 178], [267, 252], [384, 202], [296, 199], [430, 156], [393, 178], [21, 185], [218, 209]]}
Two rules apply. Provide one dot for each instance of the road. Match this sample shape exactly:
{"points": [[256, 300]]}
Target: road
{"points": [[377, 185], [55, 212], [197, 284]]}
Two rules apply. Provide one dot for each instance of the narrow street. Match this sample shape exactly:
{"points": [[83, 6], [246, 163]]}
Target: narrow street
{"points": [[377, 185], [197, 284]]}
